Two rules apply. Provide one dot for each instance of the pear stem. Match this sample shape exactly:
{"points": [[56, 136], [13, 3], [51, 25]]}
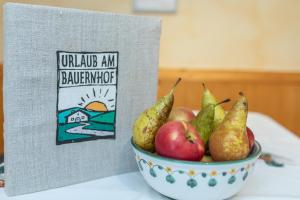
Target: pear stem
{"points": [[174, 86], [241, 93], [204, 86], [225, 101]]}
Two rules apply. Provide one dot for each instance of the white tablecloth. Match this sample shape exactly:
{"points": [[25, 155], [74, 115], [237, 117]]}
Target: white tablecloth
{"points": [[267, 182]]}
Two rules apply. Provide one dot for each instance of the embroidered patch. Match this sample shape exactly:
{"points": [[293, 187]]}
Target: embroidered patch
{"points": [[86, 96]]}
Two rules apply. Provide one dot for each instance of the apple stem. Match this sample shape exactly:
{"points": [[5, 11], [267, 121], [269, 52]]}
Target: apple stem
{"points": [[190, 138]]}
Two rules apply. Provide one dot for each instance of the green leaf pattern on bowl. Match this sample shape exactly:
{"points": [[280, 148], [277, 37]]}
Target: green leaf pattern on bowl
{"points": [[191, 174], [192, 183], [170, 178], [212, 182], [153, 173], [231, 180]]}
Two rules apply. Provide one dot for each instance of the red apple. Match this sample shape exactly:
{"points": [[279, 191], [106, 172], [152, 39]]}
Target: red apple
{"points": [[181, 114], [250, 137], [179, 140]]}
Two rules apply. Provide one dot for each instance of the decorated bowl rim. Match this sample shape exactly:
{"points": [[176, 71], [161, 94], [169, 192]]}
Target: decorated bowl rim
{"points": [[255, 153]]}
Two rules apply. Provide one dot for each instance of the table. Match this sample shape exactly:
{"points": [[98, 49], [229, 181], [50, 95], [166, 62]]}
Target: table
{"points": [[272, 181]]}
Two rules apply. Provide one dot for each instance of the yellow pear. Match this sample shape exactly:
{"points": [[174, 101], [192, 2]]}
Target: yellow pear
{"points": [[229, 141], [148, 122]]}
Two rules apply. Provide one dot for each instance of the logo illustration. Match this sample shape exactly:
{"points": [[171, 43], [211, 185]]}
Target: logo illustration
{"points": [[87, 96]]}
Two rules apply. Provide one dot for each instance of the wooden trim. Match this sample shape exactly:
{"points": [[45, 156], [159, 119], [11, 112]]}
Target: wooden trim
{"points": [[232, 76]]}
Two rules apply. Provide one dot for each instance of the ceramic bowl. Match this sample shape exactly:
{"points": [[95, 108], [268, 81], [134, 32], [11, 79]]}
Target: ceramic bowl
{"points": [[195, 180]]}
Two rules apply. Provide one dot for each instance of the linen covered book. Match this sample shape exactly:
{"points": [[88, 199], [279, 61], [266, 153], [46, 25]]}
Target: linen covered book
{"points": [[74, 82]]}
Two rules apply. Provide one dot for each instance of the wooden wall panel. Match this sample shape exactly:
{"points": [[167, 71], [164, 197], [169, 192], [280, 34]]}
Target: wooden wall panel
{"points": [[274, 94]]}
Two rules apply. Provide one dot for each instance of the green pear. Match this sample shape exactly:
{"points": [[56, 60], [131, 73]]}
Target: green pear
{"points": [[208, 98], [148, 122], [204, 121], [229, 141]]}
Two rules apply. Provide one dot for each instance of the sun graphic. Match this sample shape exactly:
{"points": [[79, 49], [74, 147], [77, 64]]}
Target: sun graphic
{"points": [[98, 100], [96, 106]]}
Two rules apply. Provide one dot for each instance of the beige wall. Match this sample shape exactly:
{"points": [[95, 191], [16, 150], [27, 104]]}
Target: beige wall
{"points": [[231, 34]]}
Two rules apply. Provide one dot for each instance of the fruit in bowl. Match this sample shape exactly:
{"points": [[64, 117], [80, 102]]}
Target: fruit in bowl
{"points": [[181, 114], [179, 140], [184, 156]]}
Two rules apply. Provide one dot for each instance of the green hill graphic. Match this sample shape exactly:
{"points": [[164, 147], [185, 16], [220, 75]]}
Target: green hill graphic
{"points": [[96, 122]]}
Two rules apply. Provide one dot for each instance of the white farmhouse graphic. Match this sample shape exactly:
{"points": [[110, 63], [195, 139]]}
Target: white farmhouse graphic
{"points": [[77, 117]]}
